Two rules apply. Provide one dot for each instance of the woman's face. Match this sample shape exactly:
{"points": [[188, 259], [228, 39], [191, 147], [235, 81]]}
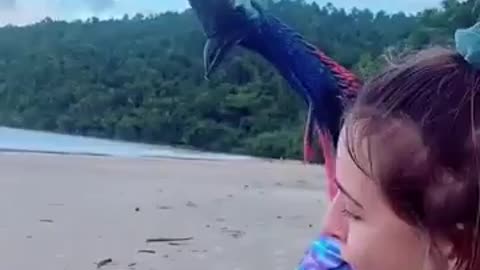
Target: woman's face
{"points": [[374, 237]]}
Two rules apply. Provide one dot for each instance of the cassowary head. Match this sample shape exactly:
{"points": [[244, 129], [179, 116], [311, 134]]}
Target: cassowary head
{"points": [[226, 23]]}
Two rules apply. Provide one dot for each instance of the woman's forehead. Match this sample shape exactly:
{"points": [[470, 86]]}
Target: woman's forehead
{"points": [[349, 175], [380, 147]]}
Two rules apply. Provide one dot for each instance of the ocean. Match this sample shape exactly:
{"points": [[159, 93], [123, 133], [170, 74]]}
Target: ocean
{"points": [[20, 140]]}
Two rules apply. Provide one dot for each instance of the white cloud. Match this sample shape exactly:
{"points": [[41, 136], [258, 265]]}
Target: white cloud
{"points": [[7, 4], [27, 11]]}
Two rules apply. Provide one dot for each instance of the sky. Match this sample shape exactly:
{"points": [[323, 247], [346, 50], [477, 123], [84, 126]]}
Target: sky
{"points": [[21, 12]]}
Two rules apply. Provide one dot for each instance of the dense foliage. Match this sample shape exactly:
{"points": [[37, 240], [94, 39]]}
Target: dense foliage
{"points": [[141, 78]]}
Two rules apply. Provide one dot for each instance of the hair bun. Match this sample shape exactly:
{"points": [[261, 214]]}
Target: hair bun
{"points": [[467, 42]]}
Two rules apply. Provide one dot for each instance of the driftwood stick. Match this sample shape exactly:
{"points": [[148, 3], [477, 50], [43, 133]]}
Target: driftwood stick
{"points": [[102, 263], [147, 251], [46, 220], [166, 239]]}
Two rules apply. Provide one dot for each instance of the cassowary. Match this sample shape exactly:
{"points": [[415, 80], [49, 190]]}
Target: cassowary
{"points": [[324, 85]]}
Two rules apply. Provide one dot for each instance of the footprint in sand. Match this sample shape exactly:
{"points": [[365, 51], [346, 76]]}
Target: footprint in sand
{"points": [[192, 204], [234, 233]]}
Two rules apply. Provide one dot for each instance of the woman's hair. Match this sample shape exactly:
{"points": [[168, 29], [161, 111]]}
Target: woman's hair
{"points": [[415, 130]]}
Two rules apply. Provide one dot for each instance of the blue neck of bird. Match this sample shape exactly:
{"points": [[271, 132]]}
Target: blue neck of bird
{"points": [[303, 66], [292, 56]]}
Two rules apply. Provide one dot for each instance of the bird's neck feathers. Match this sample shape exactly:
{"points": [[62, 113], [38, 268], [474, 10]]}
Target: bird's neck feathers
{"points": [[277, 42], [290, 52], [346, 80]]}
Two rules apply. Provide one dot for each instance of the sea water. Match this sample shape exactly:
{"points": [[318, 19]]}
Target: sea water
{"points": [[20, 140]]}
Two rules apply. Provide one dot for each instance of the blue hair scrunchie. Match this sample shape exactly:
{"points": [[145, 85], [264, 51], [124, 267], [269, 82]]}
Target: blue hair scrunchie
{"points": [[467, 43]]}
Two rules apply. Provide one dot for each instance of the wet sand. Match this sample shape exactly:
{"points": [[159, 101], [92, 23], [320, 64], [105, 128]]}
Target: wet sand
{"points": [[71, 212]]}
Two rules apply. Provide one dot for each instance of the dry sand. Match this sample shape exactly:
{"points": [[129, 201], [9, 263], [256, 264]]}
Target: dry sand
{"points": [[70, 212]]}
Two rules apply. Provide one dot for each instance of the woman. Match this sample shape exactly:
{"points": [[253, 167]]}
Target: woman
{"points": [[408, 168]]}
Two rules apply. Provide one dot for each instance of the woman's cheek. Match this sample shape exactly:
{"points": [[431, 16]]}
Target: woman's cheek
{"points": [[359, 248]]}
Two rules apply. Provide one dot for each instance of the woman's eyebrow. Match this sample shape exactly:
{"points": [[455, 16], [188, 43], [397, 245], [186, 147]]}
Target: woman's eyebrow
{"points": [[342, 189]]}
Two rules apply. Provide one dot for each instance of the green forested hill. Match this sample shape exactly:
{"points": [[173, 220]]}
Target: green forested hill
{"points": [[141, 78]]}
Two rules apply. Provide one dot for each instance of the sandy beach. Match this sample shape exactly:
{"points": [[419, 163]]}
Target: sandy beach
{"points": [[71, 212]]}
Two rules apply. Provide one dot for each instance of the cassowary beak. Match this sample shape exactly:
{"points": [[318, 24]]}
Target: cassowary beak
{"points": [[216, 48]]}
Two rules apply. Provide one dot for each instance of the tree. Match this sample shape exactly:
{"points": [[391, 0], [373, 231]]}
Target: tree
{"points": [[141, 78]]}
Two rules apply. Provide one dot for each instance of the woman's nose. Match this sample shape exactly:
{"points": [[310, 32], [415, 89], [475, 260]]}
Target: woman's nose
{"points": [[335, 223]]}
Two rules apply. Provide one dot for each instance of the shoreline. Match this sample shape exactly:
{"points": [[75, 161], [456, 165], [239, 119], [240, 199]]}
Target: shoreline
{"points": [[199, 157], [37, 141]]}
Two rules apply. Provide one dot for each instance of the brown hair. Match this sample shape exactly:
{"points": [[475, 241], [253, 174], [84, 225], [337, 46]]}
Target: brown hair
{"points": [[420, 122]]}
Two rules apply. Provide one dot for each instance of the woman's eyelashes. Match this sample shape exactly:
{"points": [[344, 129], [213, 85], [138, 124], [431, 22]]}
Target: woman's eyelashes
{"points": [[351, 215]]}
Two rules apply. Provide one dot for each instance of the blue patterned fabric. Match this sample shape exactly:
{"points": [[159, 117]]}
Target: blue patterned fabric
{"points": [[323, 254]]}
